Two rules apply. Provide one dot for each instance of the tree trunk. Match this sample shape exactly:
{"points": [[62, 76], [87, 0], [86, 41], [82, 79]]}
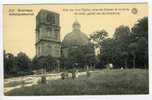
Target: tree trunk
{"points": [[145, 65], [126, 64], [134, 61]]}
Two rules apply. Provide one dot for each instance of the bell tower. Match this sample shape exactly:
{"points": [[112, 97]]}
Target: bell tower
{"points": [[47, 34]]}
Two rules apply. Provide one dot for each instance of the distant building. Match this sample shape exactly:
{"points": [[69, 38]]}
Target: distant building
{"points": [[48, 34], [77, 40]]}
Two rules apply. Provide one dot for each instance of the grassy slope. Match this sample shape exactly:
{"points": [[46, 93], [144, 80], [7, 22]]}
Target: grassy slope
{"points": [[133, 81]]}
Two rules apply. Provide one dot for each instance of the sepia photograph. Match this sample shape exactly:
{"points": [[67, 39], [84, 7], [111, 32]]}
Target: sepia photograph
{"points": [[75, 49]]}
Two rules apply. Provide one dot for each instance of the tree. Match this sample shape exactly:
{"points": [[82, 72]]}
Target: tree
{"points": [[125, 57], [121, 33], [88, 52], [140, 36], [141, 28], [124, 45], [122, 38], [79, 56], [98, 37], [142, 50], [9, 64], [35, 63], [46, 62], [114, 49], [16, 65], [133, 49], [107, 50], [23, 62]]}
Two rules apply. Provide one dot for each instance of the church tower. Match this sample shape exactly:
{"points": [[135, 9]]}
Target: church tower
{"points": [[48, 34]]}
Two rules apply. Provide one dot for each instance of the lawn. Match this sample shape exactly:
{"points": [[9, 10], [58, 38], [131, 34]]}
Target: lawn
{"points": [[101, 82]]}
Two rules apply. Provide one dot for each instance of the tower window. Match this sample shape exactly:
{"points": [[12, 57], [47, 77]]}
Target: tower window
{"points": [[51, 19]]}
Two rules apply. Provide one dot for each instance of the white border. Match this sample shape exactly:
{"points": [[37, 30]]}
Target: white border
{"points": [[1, 53], [69, 1], [102, 97]]}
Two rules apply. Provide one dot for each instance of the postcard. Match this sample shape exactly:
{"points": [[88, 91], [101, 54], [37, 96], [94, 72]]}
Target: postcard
{"points": [[75, 49]]}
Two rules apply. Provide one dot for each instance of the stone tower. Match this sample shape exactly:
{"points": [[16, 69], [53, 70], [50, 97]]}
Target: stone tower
{"points": [[48, 34]]}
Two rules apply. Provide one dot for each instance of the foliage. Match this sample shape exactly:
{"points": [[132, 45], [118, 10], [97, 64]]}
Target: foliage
{"points": [[44, 62], [23, 65], [140, 29], [23, 62], [79, 57], [126, 48], [9, 65], [16, 65], [98, 37]]}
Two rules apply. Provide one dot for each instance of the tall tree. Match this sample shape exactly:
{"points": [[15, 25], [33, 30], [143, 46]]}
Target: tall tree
{"points": [[140, 36], [107, 49], [121, 37], [133, 49], [121, 33], [23, 62], [141, 28], [98, 37], [9, 63], [125, 57]]}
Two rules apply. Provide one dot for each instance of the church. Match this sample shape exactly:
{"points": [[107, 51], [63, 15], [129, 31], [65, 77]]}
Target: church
{"points": [[75, 48]]}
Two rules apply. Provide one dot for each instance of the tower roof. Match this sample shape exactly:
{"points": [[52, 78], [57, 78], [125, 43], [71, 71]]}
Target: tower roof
{"points": [[76, 37], [76, 24]]}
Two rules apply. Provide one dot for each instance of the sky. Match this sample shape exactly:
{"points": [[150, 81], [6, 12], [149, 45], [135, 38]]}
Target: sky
{"points": [[19, 31]]}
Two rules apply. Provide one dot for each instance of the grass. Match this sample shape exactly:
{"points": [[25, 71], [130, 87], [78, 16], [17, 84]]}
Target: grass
{"points": [[101, 82]]}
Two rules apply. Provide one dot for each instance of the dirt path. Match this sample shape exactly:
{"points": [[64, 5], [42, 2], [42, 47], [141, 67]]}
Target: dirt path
{"points": [[25, 81]]}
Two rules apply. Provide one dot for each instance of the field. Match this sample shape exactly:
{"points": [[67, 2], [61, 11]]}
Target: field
{"points": [[101, 82]]}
